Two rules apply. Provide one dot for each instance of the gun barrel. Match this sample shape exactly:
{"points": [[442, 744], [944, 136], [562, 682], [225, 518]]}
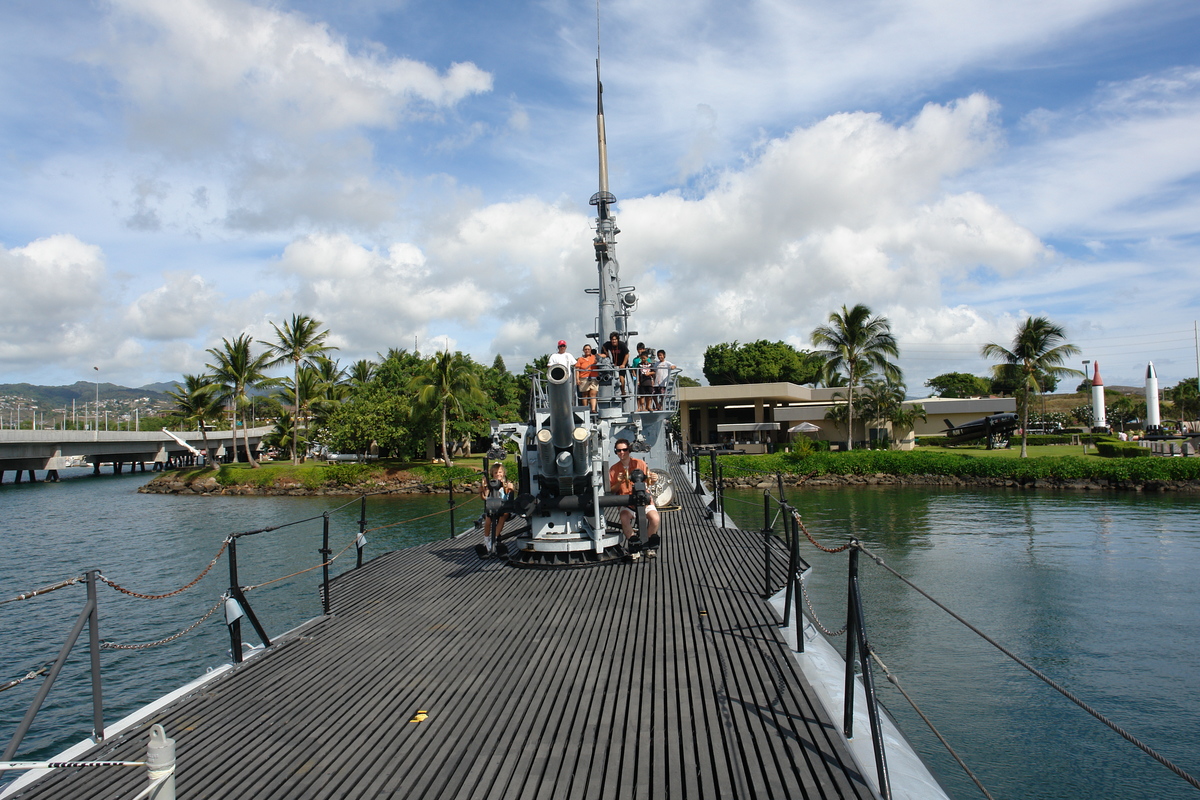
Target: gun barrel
{"points": [[560, 394]]}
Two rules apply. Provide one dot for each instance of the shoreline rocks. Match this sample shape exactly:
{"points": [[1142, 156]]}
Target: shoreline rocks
{"points": [[884, 479], [208, 486]]}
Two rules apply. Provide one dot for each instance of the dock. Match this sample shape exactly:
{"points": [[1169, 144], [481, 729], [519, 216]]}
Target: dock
{"points": [[440, 675]]}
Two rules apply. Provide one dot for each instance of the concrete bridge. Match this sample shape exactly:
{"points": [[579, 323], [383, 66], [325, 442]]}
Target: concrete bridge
{"points": [[22, 451]]}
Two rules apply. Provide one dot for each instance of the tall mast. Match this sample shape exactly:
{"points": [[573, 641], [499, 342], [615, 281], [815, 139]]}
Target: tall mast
{"points": [[611, 318]]}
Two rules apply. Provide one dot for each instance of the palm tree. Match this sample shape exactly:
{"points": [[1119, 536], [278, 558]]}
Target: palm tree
{"points": [[445, 382], [361, 372], [300, 340], [198, 402], [1038, 351], [885, 403], [236, 370], [854, 342]]}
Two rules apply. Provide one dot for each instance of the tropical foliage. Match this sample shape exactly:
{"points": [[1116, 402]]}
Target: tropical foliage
{"points": [[446, 385], [198, 403], [959, 384], [300, 341], [855, 343], [1038, 351], [238, 370], [759, 362]]}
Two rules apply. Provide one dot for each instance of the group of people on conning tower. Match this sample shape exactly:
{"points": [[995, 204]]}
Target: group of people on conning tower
{"points": [[648, 375], [497, 489]]}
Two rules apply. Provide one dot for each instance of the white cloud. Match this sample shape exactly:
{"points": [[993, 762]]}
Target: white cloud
{"points": [[178, 309], [192, 66], [1114, 167], [52, 292]]}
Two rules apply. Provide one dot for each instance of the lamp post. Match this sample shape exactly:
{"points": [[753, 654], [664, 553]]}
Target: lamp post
{"points": [[1088, 381], [96, 430]]}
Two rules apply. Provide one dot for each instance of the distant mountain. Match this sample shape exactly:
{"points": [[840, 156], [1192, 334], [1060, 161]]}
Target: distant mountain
{"points": [[47, 397], [162, 387]]}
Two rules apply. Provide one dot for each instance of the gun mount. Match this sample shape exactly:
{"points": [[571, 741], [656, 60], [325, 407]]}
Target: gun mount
{"points": [[565, 448]]}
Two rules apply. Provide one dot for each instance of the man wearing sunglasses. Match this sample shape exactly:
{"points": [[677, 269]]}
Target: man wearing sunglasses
{"points": [[621, 482]]}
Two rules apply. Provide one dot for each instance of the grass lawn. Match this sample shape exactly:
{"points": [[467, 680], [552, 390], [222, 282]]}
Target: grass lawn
{"points": [[314, 473], [1035, 451]]}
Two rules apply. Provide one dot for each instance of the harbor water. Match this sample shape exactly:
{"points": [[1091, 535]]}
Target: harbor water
{"points": [[1099, 591], [155, 544]]}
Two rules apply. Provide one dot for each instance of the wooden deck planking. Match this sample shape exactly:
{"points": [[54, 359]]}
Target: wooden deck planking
{"points": [[601, 682]]}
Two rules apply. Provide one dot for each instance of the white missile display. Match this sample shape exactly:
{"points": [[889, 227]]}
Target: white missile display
{"points": [[1098, 418], [1152, 419]]}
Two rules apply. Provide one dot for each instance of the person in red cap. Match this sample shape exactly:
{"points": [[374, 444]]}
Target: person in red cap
{"points": [[562, 356]]}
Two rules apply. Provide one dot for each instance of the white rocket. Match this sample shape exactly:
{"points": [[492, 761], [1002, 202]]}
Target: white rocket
{"points": [[1152, 419], [1098, 418]]}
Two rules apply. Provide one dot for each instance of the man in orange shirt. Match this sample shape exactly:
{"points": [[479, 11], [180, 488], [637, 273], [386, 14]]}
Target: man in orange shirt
{"points": [[620, 482], [587, 377]]}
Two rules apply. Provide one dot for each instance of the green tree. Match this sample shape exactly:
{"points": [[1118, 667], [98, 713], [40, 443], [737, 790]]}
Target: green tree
{"points": [[1125, 409], [445, 384], [1185, 399], [854, 342], [198, 402], [959, 384], [1038, 350], [502, 391], [685, 382], [883, 402], [236, 371], [1010, 379], [759, 362], [361, 372], [299, 340]]}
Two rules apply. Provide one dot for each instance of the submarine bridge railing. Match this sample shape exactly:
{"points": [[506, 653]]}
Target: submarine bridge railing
{"points": [[665, 400], [707, 465], [233, 601]]}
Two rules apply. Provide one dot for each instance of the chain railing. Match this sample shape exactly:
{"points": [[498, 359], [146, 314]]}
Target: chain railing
{"points": [[859, 653], [232, 600]]}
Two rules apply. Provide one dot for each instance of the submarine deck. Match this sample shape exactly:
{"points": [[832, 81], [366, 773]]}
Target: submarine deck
{"points": [[667, 677]]}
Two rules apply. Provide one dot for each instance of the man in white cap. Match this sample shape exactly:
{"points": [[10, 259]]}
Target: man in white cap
{"points": [[562, 356]]}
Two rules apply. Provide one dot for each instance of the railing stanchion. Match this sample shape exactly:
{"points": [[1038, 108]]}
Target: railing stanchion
{"points": [[868, 681], [325, 554], [696, 470], [89, 608], [94, 647], [767, 531], [235, 591], [851, 639], [791, 570], [799, 582], [450, 483], [360, 541]]}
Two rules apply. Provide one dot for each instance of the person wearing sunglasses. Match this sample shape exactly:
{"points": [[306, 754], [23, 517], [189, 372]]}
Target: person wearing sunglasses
{"points": [[620, 481]]}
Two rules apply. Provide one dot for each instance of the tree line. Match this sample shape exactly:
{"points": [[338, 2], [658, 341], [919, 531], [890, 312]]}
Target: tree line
{"points": [[856, 350], [395, 404]]}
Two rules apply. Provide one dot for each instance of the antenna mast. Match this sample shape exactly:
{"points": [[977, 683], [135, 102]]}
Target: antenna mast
{"points": [[610, 318]]}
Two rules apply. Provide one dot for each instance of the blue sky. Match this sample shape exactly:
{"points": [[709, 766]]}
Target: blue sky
{"points": [[174, 172]]}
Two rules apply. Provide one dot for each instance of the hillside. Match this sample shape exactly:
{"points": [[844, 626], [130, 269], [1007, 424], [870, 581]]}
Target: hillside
{"points": [[48, 398]]}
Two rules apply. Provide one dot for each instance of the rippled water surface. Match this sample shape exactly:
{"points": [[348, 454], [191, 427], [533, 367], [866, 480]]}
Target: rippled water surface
{"points": [[1098, 591], [154, 544]]}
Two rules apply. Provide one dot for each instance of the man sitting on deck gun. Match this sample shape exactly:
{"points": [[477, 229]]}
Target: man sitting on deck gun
{"points": [[620, 481]]}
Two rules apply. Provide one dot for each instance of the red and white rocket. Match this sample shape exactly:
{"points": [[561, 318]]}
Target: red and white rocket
{"points": [[1152, 419], [1098, 418]]}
